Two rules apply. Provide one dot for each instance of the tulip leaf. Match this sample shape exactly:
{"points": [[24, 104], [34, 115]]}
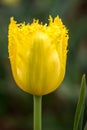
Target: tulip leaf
{"points": [[80, 106]]}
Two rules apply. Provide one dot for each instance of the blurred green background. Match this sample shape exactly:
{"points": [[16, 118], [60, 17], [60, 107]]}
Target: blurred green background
{"points": [[16, 106]]}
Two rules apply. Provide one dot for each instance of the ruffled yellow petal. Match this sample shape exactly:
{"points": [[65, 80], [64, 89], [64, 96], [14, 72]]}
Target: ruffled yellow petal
{"points": [[38, 55]]}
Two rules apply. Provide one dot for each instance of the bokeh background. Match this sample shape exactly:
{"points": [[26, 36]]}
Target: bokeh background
{"points": [[16, 106]]}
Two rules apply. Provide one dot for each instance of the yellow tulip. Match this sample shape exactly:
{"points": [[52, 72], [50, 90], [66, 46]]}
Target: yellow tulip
{"points": [[38, 54]]}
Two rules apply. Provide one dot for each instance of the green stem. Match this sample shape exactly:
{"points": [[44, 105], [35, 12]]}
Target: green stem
{"points": [[37, 112]]}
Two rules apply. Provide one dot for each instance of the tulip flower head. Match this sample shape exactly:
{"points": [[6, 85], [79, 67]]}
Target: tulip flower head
{"points": [[38, 54]]}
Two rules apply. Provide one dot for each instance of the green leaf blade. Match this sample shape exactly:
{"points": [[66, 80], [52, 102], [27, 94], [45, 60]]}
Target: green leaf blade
{"points": [[80, 106]]}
